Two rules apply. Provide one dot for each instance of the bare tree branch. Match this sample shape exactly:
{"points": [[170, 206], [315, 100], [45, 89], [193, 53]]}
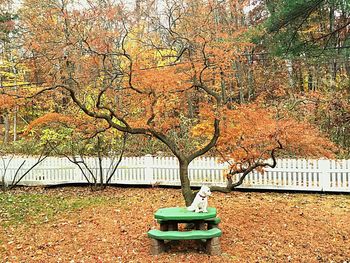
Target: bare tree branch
{"points": [[245, 171]]}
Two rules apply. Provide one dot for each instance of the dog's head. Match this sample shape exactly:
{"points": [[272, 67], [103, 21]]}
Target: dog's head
{"points": [[205, 191]]}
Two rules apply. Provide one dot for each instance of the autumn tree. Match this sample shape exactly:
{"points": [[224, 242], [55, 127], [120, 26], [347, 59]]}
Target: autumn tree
{"points": [[171, 75], [7, 73], [257, 135], [78, 137]]}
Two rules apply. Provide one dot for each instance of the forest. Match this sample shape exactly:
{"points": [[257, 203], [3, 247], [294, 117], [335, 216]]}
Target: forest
{"points": [[242, 80]]}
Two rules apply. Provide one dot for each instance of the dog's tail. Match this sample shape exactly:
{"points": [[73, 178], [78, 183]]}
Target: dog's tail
{"points": [[191, 208]]}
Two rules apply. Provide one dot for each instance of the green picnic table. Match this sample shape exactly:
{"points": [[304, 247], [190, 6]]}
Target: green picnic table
{"points": [[206, 228], [181, 213]]}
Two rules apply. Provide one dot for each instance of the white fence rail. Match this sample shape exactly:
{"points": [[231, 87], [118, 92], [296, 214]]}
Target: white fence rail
{"points": [[289, 174]]}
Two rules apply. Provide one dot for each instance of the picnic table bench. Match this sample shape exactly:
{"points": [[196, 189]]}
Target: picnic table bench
{"points": [[211, 222], [206, 228]]}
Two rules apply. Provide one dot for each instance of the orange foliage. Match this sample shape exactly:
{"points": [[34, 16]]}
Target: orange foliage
{"points": [[165, 82], [156, 86], [82, 124], [249, 133], [50, 118], [6, 102]]}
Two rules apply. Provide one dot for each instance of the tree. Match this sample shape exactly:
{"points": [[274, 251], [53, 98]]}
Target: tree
{"points": [[256, 137], [77, 137], [308, 26], [9, 74], [19, 174], [166, 75]]}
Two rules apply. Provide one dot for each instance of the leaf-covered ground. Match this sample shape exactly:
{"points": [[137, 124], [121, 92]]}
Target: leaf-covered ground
{"points": [[76, 225]]}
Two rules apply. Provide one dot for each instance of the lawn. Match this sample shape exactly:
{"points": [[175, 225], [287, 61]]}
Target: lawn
{"points": [[76, 225]]}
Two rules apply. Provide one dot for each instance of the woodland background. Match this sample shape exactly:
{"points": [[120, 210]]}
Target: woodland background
{"points": [[289, 57]]}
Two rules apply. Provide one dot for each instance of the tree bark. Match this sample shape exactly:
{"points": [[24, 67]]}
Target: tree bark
{"points": [[289, 65], [100, 161], [15, 124], [7, 128], [245, 171], [185, 182]]}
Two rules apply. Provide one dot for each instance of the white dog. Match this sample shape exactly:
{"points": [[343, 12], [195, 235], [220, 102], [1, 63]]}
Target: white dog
{"points": [[200, 202]]}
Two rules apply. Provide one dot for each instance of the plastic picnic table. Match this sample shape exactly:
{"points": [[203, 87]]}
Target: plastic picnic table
{"points": [[181, 213], [169, 217]]}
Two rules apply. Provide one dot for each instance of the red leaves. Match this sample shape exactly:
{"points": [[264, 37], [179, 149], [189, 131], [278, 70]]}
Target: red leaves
{"points": [[249, 133], [256, 227], [6, 102]]}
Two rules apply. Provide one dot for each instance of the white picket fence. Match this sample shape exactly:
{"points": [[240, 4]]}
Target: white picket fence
{"points": [[289, 174]]}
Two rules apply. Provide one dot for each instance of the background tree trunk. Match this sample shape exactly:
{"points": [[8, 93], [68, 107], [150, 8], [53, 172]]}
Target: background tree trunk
{"points": [[7, 128], [15, 124]]}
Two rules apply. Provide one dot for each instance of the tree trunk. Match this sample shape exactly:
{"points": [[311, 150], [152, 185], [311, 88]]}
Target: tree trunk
{"points": [[7, 128], [310, 80], [185, 182], [15, 124], [289, 65], [15, 110], [3, 183], [99, 161], [251, 89]]}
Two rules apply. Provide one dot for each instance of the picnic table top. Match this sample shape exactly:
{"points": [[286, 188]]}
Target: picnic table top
{"points": [[181, 213]]}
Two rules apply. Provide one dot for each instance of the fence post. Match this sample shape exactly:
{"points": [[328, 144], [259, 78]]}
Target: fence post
{"points": [[325, 176], [149, 169]]}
